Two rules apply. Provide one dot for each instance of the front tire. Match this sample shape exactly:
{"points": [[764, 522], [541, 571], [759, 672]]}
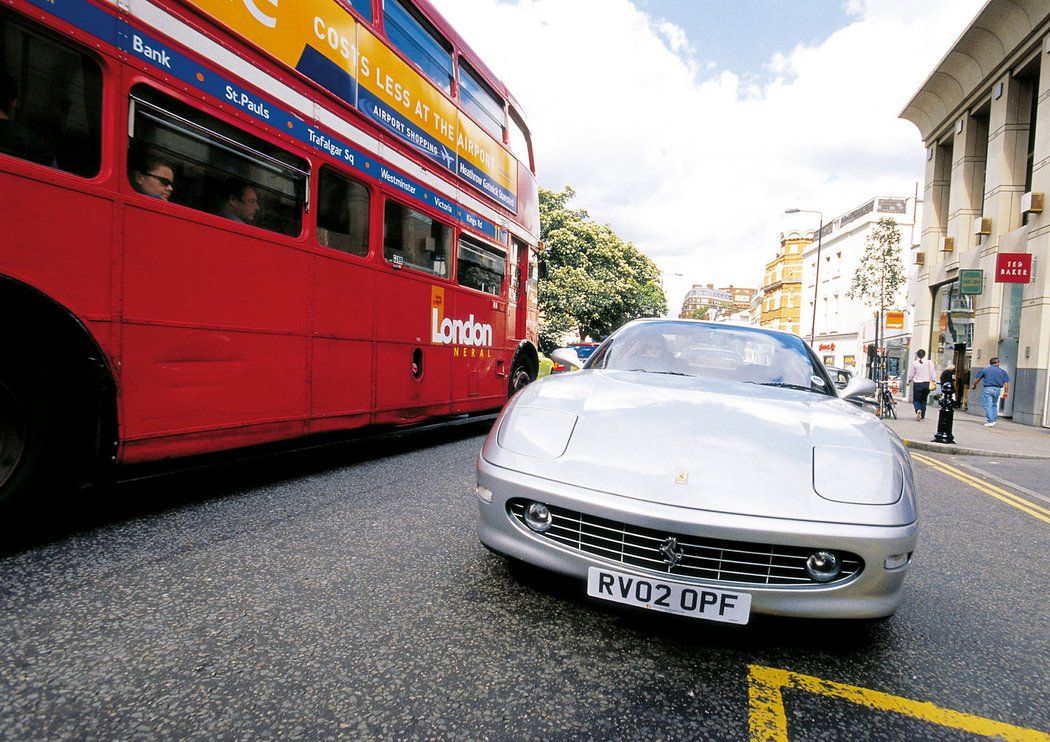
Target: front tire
{"points": [[519, 379]]}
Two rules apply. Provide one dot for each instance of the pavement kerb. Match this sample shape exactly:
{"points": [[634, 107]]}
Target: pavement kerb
{"points": [[952, 449]]}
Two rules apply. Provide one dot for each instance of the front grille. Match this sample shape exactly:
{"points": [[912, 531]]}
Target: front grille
{"points": [[711, 559]]}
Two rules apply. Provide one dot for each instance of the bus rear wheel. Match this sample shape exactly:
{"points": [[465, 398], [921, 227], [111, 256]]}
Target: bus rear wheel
{"points": [[12, 434], [30, 446]]}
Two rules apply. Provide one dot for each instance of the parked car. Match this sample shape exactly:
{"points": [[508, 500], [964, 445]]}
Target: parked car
{"points": [[707, 470], [546, 364], [583, 351]]}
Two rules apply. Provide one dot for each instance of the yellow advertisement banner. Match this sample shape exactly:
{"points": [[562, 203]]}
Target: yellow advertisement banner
{"points": [[484, 163], [316, 37], [399, 99], [394, 95]]}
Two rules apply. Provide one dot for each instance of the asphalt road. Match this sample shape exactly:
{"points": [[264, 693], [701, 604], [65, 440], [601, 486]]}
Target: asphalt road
{"points": [[345, 596]]}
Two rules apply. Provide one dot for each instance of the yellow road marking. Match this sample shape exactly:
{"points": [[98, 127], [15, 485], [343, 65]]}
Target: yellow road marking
{"points": [[767, 721], [1027, 506]]}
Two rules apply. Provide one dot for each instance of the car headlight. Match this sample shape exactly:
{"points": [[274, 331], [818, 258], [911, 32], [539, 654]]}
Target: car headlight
{"points": [[856, 475], [534, 431]]}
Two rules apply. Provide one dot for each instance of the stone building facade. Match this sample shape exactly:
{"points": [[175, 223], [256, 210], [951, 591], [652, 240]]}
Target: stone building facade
{"points": [[981, 285]]}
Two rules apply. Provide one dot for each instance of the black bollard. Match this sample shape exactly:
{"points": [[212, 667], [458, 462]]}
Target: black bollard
{"points": [[946, 416]]}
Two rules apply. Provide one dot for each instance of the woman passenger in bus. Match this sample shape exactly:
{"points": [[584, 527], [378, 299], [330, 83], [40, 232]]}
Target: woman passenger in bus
{"points": [[155, 178]]}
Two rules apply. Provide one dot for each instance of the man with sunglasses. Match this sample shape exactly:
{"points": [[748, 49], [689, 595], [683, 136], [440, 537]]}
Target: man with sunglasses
{"points": [[156, 178]]}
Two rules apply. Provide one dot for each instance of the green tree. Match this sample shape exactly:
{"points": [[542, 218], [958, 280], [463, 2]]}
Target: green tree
{"points": [[595, 281], [700, 313], [880, 274]]}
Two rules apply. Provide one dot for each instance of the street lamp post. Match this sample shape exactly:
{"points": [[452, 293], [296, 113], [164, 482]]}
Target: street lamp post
{"points": [[816, 277], [663, 273]]}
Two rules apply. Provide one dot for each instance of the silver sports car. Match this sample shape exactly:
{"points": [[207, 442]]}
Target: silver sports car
{"points": [[707, 470]]}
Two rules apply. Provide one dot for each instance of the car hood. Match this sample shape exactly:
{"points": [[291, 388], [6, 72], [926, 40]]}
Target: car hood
{"points": [[708, 444]]}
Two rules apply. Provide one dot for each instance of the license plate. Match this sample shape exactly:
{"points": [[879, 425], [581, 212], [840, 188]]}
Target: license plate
{"points": [[668, 596]]}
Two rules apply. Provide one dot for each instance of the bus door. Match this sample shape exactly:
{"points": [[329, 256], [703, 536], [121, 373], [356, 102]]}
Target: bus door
{"points": [[413, 371], [517, 291], [478, 324], [344, 305]]}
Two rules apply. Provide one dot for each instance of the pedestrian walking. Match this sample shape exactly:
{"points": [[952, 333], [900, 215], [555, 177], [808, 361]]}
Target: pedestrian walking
{"points": [[996, 382], [920, 376]]}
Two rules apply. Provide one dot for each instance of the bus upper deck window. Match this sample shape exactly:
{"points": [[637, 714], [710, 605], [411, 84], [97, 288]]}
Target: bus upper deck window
{"points": [[51, 98], [419, 41], [518, 137], [481, 101], [363, 8]]}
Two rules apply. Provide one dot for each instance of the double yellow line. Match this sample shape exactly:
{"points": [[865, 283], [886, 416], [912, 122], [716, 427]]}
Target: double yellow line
{"points": [[1027, 506]]}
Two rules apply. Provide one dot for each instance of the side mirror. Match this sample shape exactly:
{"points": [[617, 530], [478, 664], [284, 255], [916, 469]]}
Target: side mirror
{"points": [[858, 387], [566, 357]]}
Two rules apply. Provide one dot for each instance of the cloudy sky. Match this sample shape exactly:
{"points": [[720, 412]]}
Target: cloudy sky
{"points": [[690, 126]]}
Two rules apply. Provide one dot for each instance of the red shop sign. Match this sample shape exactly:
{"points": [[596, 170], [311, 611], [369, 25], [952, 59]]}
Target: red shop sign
{"points": [[1013, 267], [827, 346]]}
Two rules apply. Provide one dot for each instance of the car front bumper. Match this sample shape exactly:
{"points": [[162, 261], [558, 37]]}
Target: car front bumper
{"points": [[874, 592]]}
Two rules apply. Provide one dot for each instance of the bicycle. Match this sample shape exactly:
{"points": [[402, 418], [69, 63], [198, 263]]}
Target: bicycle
{"points": [[886, 402]]}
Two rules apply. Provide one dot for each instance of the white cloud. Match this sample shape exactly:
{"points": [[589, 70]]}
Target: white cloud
{"points": [[695, 169]]}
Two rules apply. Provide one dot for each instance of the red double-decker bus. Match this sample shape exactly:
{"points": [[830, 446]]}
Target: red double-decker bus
{"points": [[231, 222]]}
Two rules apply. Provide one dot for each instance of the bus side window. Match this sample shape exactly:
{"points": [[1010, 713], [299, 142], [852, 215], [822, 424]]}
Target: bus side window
{"points": [[414, 239], [50, 101], [481, 267], [217, 167], [342, 213]]}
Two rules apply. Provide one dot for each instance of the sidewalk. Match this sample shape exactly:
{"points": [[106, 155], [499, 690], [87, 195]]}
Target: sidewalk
{"points": [[1007, 439]]}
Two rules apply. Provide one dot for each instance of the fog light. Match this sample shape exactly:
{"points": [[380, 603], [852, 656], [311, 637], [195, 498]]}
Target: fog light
{"points": [[897, 561], [823, 566], [484, 493], [538, 517]]}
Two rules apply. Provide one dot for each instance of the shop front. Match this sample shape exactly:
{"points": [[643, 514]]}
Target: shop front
{"points": [[953, 323]]}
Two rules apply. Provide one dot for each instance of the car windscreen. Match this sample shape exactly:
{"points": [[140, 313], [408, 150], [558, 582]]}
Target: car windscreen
{"points": [[713, 351]]}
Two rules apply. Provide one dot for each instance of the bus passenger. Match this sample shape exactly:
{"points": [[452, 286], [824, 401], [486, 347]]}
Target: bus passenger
{"points": [[242, 202], [15, 139], [156, 178]]}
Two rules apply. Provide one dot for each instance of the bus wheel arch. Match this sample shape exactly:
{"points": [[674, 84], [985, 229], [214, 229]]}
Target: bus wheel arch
{"points": [[59, 390], [524, 368]]}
